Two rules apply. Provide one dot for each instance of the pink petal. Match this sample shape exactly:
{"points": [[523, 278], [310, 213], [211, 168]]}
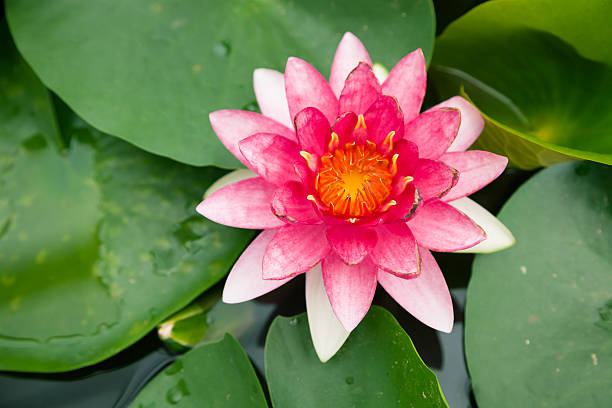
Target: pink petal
{"points": [[271, 156], [427, 297], [245, 281], [313, 130], [407, 203], [326, 331], [245, 204], [396, 250], [349, 54], [305, 87], [350, 242], [344, 127], [350, 288], [293, 250], [472, 122], [440, 227], [360, 90], [476, 170], [434, 178], [269, 86], [407, 82], [433, 131], [381, 118], [231, 126], [408, 157], [290, 204]]}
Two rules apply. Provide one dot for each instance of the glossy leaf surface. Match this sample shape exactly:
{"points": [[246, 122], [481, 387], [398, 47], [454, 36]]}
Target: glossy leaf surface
{"points": [[538, 314], [150, 72]]}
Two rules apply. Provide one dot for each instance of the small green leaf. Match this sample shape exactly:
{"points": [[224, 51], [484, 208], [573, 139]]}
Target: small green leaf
{"points": [[99, 241], [377, 367], [532, 68], [538, 314], [207, 319], [212, 375], [150, 71]]}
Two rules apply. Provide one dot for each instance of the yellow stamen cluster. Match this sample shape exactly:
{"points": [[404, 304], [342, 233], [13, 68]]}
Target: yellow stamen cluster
{"points": [[356, 180]]}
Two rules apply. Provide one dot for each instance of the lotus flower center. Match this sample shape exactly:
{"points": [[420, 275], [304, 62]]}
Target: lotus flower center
{"points": [[354, 181]]}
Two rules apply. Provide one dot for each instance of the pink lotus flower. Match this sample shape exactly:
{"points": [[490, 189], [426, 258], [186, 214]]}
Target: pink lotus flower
{"points": [[353, 186]]}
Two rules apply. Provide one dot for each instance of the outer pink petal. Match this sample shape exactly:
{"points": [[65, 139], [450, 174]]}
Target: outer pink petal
{"points": [[245, 281], [472, 122], [433, 131], [360, 90], [434, 178], [476, 169], [407, 82], [231, 126], [349, 54], [350, 288], [290, 204], [245, 204], [293, 250], [382, 117], [313, 130], [305, 87], [396, 250], [350, 242], [440, 227], [271, 156], [269, 86], [427, 298]]}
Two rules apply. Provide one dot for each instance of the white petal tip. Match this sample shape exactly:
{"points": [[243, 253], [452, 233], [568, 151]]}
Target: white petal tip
{"points": [[498, 236], [327, 333]]}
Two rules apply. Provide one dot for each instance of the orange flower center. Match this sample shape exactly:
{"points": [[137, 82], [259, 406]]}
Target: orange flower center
{"points": [[355, 181]]}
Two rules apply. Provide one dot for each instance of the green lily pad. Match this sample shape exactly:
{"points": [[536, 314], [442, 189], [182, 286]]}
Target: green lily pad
{"points": [[532, 68], [150, 71], [99, 241], [212, 375], [538, 314], [377, 367]]}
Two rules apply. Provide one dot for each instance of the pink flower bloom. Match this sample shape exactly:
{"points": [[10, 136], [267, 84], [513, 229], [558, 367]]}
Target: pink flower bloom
{"points": [[353, 186]]}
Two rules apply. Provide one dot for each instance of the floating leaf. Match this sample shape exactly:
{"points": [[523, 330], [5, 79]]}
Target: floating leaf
{"points": [[212, 375], [377, 367], [154, 82], [538, 314], [532, 68], [99, 241]]}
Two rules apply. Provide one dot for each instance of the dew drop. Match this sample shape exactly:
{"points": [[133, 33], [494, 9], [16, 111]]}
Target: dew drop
{"points": [[222, 49], [252, 107], [176, 393], [350, 380], [293, 322]]}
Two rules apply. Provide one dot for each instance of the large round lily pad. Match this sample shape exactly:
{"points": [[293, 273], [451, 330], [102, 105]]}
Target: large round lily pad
{"points": [[377, 367], [150, 71], [540, 71], [539, 315], [99, 241]]}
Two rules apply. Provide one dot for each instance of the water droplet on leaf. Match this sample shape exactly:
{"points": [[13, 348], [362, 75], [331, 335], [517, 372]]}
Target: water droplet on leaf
{"points": [[222, 49]]}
